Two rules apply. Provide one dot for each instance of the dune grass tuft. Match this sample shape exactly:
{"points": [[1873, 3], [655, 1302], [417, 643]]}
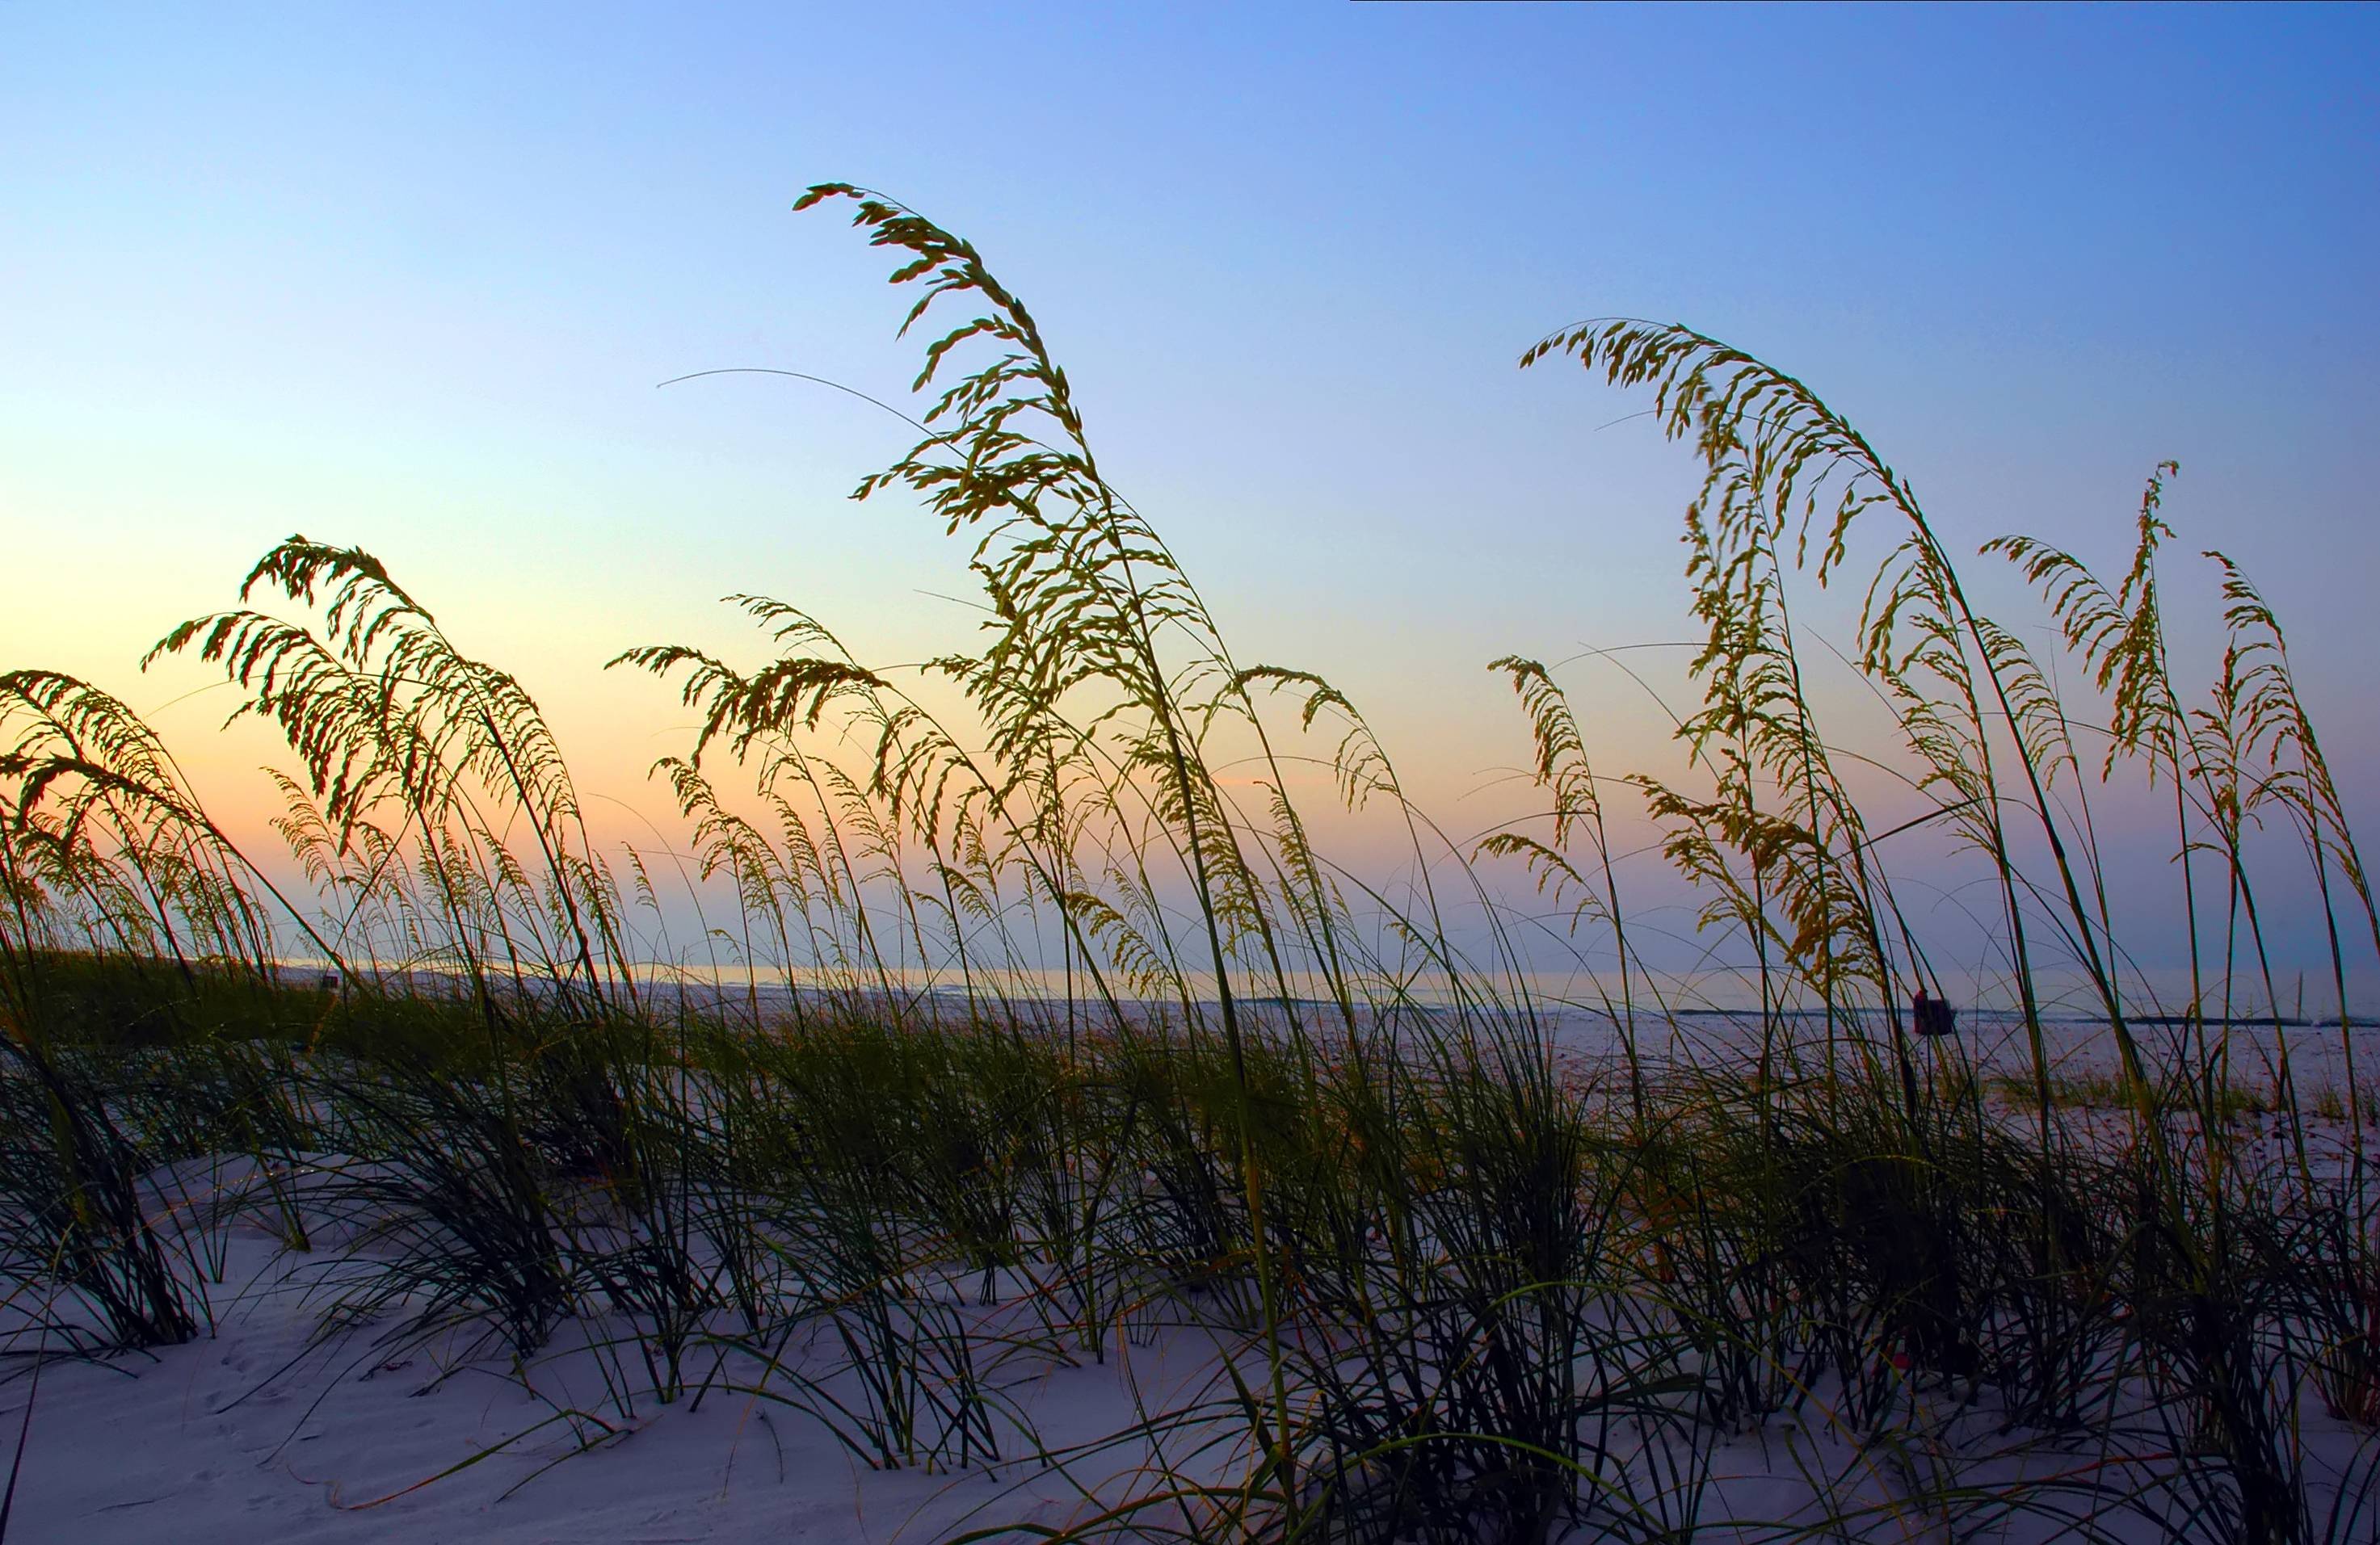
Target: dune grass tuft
{"points": [[1024, 1037]]}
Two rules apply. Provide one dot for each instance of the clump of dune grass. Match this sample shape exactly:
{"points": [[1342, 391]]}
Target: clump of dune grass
{"points": [[866, 1166]]}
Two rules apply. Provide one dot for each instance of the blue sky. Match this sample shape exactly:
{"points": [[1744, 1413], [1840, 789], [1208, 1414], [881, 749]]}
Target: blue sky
{"points": [[407, 277]]}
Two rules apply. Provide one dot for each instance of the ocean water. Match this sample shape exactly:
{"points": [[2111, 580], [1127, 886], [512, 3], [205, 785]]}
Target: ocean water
{"points": [[1700, 1020]]}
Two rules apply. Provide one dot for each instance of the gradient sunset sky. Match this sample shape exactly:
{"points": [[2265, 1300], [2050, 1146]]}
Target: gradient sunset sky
{"points": [[407, 277]]}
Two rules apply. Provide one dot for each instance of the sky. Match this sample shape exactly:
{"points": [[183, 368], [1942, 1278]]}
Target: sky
{"points": [[407, 277]]}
